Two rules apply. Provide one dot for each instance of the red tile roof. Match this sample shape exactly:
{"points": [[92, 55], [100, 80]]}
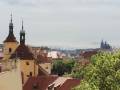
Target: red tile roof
{"points": [[88, 54], [23, 53], [42, 82], [43, 59], [69, 84]]}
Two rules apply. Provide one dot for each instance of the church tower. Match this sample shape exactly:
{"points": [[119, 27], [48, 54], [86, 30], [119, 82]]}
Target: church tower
{"points": [[28, 65], [10, 43], [22, 35]]}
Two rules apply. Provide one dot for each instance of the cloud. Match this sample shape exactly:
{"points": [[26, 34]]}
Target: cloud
{"points": [[64, 21], [21, 2], [61, 2]]}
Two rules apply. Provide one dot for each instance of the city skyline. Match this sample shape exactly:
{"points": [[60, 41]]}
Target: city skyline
{"points": [[64, 23]]}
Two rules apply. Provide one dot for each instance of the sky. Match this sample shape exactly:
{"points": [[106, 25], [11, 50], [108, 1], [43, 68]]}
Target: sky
{"points": [[63, 23]]}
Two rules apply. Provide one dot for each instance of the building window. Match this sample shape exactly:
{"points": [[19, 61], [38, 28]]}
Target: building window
{"points": [[35, 86], [30, 73], [22, 74], [27, 63], [46, 67], [10, 50], [22, 37]]}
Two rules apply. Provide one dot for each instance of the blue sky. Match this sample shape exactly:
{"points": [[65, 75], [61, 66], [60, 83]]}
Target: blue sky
{"points": [[64, 23]]}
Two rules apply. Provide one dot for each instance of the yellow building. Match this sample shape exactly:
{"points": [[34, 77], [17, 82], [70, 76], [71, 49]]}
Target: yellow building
{"points": [[27, 61]]}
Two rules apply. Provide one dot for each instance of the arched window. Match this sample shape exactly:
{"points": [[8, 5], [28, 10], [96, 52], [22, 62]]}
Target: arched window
{"points": [[27, 63], [10, 50], [22, 37], [22, 74], [30, 73], [46, 67]]}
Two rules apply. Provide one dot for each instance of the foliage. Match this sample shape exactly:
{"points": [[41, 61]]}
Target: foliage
{"points": [[78, 71], [84, 85], [103, 73], [61, 67]]}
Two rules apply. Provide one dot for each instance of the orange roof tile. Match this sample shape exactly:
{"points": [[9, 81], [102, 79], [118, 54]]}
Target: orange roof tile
{"points": [[69, 84], [42, 82], [43, 59]]}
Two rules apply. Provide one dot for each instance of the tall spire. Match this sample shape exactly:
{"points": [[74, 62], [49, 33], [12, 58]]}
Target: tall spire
{"points": [[11, 37], [22, 35], [22, 30], [22, 24], [11, 25], [102, 44], [11, 18]]}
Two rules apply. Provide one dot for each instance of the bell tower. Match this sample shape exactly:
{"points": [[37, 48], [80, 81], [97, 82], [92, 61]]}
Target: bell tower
{"points": [[10, 43], [22, 35]]}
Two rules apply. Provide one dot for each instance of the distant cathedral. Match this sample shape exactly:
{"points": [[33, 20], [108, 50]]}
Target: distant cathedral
{"points": [[105, 45]]}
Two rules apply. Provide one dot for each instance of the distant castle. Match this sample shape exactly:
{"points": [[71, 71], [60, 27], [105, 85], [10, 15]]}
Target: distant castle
{"points": [[105, 45]]}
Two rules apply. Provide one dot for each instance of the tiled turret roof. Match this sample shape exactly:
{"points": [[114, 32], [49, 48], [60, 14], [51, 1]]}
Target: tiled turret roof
{"points": [[23, 52], [10, 38]]}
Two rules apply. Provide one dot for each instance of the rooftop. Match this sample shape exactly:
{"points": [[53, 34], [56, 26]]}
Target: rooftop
{"points": [[50, 82], [23, 52]]}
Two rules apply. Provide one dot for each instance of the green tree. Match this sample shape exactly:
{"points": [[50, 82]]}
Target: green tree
{"points": [[103, 73], [78, 71], [69, 64], [60, 67]]}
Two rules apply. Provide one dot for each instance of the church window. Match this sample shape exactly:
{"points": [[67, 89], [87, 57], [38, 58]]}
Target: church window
{"points": [[27, 63], [46, 67], [22, 37], [35, 86], [22, 74], [30, 73], [10, 50]]}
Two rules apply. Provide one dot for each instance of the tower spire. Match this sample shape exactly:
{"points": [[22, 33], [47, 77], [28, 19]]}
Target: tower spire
{"points": [[11, 25], [22, 25], [11, 18], [22, 35], [11, 37]]}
